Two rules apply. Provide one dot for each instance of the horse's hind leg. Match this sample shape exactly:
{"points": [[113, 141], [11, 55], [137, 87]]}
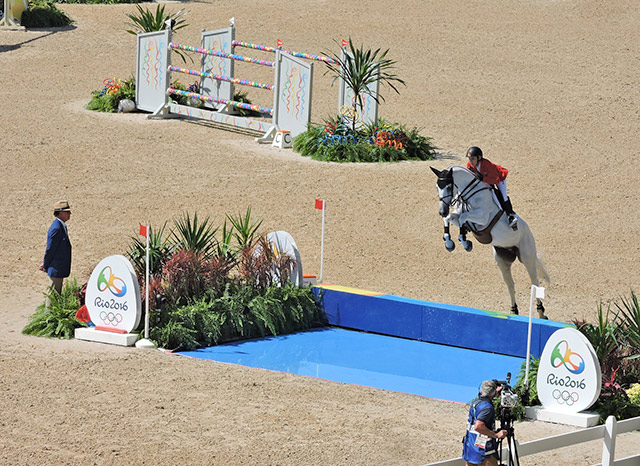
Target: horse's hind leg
{"points": [[531, 264], [504, 259]]}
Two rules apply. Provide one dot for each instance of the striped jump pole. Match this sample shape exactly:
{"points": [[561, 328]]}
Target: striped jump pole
{"points": [[217, 77], [215, 53], [266, 48]]}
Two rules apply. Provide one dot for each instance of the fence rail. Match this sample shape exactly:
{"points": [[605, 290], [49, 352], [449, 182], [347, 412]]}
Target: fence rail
{"points": [[607, 433]]}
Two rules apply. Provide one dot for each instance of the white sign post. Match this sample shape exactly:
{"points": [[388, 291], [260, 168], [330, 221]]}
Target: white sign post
{"points": [[113, 302], [569, 380], [538, 291], [145, 342]]}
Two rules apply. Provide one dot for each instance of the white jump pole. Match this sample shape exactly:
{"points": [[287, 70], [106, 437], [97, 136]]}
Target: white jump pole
{"points": [[538, 291]]}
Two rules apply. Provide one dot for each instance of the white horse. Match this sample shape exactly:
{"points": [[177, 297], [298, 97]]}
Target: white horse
{"points": [[470, 204]]}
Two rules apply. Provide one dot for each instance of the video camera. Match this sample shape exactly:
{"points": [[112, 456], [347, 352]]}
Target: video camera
{"points": [[508, 398]]}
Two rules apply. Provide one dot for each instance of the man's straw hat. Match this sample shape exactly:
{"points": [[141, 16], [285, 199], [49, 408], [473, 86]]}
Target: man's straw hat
{"points": [[61, 206]]}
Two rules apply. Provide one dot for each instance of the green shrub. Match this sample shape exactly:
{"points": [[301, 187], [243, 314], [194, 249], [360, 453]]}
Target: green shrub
{"points": [[44, 14], [146, 21], [108, 98], [618, 405], [241, 311], [336, 141], [59, 320], [99, 2]]}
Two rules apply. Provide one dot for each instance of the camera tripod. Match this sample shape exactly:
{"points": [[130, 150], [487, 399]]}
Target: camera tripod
{"points": [[506, 423]]}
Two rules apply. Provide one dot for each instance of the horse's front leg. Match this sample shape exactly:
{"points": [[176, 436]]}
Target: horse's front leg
{"points": [[466, 244], [450, 245]]}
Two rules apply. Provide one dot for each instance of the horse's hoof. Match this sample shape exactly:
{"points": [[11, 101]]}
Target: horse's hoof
{"points": [[469, 246], [514, 309], [450, 245]]}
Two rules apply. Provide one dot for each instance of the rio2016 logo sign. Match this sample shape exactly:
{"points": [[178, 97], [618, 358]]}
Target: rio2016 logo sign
{"points": [[113, 295], [569, 377]]}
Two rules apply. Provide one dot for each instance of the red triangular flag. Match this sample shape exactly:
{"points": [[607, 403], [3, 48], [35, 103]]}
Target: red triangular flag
{"points": [[83, 314], [344, 42], [143, 231], [319, 204], [279, 43]]}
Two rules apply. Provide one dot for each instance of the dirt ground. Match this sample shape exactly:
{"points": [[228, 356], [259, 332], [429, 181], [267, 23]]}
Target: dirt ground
{"points": [[547, 88]]}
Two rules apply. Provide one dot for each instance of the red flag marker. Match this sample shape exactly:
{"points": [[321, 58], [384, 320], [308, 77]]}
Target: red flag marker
{"points": [[319, 204], [344, 42], [143, 230], [279, 43]]}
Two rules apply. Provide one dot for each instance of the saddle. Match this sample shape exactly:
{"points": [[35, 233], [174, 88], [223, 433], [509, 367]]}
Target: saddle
{"points": [[484, 236]]}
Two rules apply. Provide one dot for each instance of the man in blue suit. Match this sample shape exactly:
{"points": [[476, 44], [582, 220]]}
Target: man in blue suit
{"points": [[57, 257]]}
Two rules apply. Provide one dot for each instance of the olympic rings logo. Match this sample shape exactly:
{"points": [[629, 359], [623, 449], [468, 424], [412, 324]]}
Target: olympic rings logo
{"points": [[564, 397], [107, 280], [563, 356], [111, 318]]}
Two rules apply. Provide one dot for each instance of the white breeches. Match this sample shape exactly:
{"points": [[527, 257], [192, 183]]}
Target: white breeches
{"points": [[502, 186]]}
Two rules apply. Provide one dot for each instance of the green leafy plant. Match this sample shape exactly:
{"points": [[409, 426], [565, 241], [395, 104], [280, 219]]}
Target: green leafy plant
{"points": [[380, 142], [603, 336], [241, 311], [245, 228], [43, 14], [359, 68], [59, 319], [629, 314], [194, 235], [160, 249], [146, 21], [96, 2], [108, 98]]}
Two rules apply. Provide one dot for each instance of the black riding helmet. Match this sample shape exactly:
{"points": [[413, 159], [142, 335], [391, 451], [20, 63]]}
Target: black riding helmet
{"points": [[474, 151]]}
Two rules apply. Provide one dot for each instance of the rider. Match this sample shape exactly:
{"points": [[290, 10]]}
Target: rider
{"points": [[493, 174]]}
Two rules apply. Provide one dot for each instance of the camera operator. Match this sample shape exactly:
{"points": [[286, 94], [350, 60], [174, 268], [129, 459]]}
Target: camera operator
{"points": [[479, 443]]}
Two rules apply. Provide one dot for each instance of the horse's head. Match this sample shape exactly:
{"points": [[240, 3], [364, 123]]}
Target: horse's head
{"points": [[445, 189]]}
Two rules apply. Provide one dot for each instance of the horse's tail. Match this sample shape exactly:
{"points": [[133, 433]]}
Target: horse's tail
{"points": [[542, 269]]}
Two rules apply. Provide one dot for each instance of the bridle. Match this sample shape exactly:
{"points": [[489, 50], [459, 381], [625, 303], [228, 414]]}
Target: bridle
{"points": [[464, 195]]}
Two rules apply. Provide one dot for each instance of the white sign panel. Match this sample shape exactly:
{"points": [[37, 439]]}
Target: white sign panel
{"points": [[113, 295], [569, 376], [283, 244]]}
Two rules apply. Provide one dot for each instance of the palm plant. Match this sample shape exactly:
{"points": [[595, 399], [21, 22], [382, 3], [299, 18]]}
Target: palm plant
{"points": [[245, 229], [629, 314], [359, 68], [160, 248], [146, 21], [195, 236], [603, 336]]}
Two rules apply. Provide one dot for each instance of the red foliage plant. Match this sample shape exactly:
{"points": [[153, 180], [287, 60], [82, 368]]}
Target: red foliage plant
{"points": [[184, 276]]}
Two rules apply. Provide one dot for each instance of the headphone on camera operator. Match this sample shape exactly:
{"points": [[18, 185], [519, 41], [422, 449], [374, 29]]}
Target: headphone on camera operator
{"points": [[479, 442]]}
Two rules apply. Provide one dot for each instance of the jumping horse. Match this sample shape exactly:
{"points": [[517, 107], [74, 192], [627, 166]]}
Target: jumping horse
{"points": [[470, 204]]}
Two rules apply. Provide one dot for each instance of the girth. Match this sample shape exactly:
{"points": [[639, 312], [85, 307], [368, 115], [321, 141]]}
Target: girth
{"points": [[484, 236]]}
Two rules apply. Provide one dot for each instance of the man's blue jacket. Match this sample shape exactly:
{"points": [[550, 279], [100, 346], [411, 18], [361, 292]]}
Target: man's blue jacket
{"points": [[57, 257]]}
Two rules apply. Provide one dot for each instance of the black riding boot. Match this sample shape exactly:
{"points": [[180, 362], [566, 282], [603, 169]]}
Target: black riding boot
{"points": [[513, 218]]}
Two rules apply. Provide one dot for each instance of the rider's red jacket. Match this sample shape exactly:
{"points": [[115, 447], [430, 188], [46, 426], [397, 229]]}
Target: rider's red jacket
{"points": [[491, 172]]}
